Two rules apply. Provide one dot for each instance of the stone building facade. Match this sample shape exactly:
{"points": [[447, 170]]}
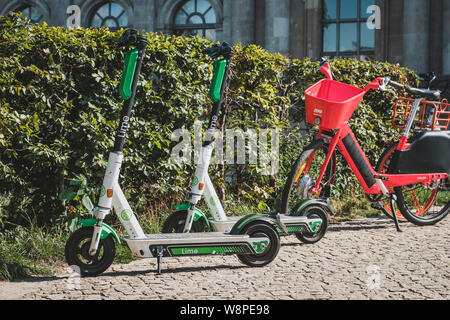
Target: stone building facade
{"points": [[414, 33]]}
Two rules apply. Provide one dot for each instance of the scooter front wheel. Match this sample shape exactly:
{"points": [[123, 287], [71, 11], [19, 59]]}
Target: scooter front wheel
{"points": [[261, 229], [176, 221], [78, 257]]}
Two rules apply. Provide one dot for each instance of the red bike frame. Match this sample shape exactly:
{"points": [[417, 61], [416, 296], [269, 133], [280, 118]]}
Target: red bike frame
{"points": [[344, 140], [372, 182]]}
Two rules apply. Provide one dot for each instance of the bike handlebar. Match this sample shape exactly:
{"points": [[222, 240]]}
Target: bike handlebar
{"points": [[395, 84], [381, 83], [425, 93]]}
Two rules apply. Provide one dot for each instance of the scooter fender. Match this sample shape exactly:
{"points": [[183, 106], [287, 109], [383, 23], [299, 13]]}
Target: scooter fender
{"points": [[246, 220], [198, 214], [106, 229], [302, 205]]}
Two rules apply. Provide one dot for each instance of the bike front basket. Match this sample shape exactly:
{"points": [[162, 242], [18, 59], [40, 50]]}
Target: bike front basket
{"points": [[330, 103]]}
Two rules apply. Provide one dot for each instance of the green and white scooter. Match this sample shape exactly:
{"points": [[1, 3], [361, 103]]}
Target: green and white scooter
{"points": [[90, 250], [308, 221]]}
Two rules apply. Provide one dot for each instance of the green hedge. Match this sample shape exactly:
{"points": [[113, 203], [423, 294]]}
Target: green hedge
{"points": [[60, 104]]}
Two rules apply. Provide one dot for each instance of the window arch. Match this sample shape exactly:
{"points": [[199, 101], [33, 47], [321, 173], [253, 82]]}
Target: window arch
{"points": [[109, 14], [195, 17], [34, 13]]}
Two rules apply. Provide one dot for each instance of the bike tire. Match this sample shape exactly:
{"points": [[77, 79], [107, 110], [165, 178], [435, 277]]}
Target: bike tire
{"points": [[422, 219], [294, 176]]}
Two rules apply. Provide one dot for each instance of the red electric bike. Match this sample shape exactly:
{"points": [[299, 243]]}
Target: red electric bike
{"points": [[413, 173]]}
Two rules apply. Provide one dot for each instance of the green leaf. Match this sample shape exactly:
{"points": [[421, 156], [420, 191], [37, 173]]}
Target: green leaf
{"points": [[73, 224], [262, 206], [75, 182], [87, 203], [67, 195]]}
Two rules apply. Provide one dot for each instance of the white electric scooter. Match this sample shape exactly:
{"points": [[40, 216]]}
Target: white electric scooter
{"points": [[308, 221], [90, 250]]}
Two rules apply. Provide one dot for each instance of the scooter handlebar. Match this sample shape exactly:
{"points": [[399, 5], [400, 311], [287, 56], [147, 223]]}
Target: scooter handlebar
{"points": [[216, 50], [130, 37]]}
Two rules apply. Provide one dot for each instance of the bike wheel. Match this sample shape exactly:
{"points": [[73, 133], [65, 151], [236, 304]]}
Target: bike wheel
{"points": [[382, 167], [423, 205], [260, 229], [302, 178], [175, 223], [78, 257]]}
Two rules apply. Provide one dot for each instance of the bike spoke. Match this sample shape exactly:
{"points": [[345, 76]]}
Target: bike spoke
{"points": [[415, 200]]}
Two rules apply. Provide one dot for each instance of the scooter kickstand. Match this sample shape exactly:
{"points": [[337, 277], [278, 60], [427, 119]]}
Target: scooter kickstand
{"points": [[159, 255], [394, 214]]}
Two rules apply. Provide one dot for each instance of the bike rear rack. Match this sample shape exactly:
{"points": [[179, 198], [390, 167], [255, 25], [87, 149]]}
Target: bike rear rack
{"points": [[433, 115]]}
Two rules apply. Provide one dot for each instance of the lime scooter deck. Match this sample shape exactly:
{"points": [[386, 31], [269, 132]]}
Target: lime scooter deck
{"points": [[195, 244], [292, 223], [188, 244]]}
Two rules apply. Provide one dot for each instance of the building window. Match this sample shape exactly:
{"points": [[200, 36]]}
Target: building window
{"points": [[33, 13], [110, 15], [345, 31], [195, 17]]}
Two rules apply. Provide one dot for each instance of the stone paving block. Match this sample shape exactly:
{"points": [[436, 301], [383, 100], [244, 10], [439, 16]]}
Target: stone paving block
{"points": [[355, 260]]}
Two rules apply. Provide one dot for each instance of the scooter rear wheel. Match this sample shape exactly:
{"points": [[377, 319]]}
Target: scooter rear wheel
{"points": [[176, 221], [261, 229], [78, 257], [312, 212]]}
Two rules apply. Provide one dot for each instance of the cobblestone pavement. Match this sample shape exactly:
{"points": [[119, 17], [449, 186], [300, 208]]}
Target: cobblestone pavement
{"points": [[361, 259]]}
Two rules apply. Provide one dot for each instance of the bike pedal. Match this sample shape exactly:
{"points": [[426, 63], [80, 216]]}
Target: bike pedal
{"points": [[377, 205], [446, 186]]}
